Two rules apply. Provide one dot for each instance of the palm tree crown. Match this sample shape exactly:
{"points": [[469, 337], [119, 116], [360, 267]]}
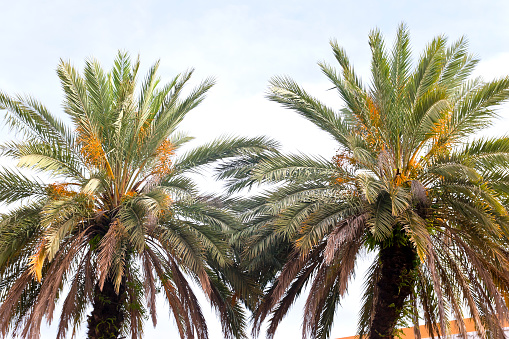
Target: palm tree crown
{"points": [[409, 183], [119, 221]]}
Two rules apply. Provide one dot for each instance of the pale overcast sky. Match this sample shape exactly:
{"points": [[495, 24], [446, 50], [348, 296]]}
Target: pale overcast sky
{"points": [[242, 44]]}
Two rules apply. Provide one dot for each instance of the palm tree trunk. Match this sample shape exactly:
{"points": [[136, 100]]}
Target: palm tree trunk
{"points": [[107, 316], [395, 285]]}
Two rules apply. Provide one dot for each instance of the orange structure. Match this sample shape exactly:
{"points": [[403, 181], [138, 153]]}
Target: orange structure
{"points": [[408, 333]]}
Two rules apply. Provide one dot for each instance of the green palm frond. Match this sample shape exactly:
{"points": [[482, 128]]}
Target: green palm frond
{"points": [[293, 167], [224, 148], [285, 91], [28, 116], [16, 186]]}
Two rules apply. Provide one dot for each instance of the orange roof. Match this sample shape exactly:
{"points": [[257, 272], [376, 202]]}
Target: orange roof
{"points": [[408, 332]]}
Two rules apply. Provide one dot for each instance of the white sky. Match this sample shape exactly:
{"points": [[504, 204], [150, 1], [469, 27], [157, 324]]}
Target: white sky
{"points": [[243, 44]]}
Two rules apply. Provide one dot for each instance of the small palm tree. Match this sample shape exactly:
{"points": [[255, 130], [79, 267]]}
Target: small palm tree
{"points": [[409, 183], [113, 219]]}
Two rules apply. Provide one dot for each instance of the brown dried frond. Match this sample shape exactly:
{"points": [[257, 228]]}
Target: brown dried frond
{"points": [[334, 276], [293, 277], [44, 305], [59, 266], [299, 265], [419, 193], [189, 299], [84, 274], [288, 300], [134, 311], [164, 154], [110, 243], [347, 231], [150, 287], [294, 264], [70, 302], [171, 293], [9, 303]]}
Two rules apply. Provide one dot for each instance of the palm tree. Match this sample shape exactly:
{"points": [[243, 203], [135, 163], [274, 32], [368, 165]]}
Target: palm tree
{"points": [[113, 218], [410, 184]]}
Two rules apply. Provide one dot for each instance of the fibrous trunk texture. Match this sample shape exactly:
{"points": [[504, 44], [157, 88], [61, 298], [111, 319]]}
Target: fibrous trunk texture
{"points": [[107, 317], [395, 285]]}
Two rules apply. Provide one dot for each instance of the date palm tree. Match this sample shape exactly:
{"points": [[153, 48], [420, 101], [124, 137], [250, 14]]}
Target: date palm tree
{"points": [[410, 183], [113, 218]]}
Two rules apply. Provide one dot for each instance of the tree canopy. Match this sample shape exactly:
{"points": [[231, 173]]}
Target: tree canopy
{"points": [[411, 183], [112, 218]]}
